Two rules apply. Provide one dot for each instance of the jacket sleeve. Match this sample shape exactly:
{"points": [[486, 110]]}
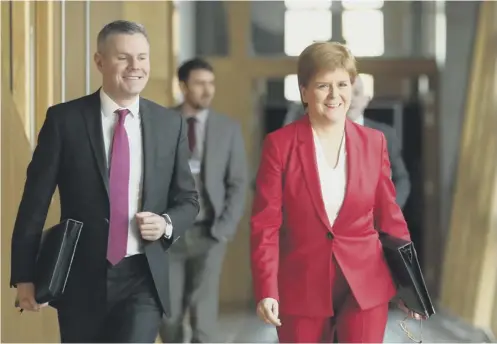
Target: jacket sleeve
{"points": [[41, 181], [265, 223], [388, 215], [400, 176], [236, 188]]}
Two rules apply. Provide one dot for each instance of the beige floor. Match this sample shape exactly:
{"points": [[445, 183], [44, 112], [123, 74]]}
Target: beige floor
{"points": [[244, 327]]}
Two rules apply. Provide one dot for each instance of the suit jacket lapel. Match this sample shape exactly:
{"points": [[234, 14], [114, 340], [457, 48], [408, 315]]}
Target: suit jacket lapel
{"points": [[211, 132], [352, 158], [149, 132], [307, 155], [93, 118]]}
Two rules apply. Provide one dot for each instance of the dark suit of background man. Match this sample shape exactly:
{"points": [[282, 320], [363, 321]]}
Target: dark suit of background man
{"points": [[359, 103], [400, 176], [218, 164], [121, 165]]}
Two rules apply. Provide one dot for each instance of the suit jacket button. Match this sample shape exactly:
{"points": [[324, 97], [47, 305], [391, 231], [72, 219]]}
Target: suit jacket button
{"points": [[329, 235], [106, 221]]}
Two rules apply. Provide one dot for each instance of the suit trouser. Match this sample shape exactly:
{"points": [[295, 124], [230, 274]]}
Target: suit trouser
{"points": [[349, 324], [132, 313], [195, 268]]}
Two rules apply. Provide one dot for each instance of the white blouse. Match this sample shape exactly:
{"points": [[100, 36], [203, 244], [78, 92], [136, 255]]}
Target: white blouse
{"points": [[333, 180]]}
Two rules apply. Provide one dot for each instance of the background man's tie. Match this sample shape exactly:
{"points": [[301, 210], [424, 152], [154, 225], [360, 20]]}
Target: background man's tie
{"points": [[192, 140], [119, 195]]}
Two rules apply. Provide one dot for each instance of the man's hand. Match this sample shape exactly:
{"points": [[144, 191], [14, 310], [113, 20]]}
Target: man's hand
{"points": [[151, 226], [26, 297], [267, 310]]}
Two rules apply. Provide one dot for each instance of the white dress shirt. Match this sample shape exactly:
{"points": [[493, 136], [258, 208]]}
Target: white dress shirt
{"points": [[333, 180], [133, 129]]}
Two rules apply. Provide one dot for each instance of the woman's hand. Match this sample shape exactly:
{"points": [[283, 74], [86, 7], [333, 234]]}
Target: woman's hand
{"points": [[267, 310], [410, 313]]}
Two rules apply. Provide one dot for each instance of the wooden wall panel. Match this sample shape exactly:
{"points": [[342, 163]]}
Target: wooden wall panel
{"points": [[75, 53], [21, 16], [44, 59], [16, 152], [57, 22], [469, 280], [493, 320]]}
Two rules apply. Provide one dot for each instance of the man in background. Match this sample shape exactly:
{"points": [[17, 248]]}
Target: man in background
{"points": [[359, 103], [218, 164], [400, 176]]}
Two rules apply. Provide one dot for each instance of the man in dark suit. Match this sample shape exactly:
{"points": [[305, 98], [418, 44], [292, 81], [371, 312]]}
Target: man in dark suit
{"points": [[359, 103], [218, 163], [121, 165]]}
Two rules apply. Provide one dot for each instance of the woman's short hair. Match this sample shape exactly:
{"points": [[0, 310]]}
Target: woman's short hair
{"points": [[324, 56]]}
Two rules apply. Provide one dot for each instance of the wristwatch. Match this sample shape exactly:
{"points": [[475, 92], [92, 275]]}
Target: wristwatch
{"points": [[169, 224]]}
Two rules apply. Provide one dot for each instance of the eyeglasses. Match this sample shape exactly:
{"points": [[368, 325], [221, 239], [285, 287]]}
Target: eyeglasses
{"points": [[403, 326]]}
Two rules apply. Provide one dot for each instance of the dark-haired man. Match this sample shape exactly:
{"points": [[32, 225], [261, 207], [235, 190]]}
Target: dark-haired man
{"points": [[400, 176], [218, 163]]}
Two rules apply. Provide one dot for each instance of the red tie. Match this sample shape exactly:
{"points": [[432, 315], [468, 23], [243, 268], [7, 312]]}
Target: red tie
{"points": [[118, 189], [192, 139]]}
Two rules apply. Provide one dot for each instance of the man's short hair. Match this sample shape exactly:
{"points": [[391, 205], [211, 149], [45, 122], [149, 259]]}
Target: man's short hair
{"points": [[119, 27], [190, 65]]}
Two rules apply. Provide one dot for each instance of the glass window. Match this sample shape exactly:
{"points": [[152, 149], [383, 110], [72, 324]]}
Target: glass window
{"points": [[303, 27], [267, 27], [368, 82], [211, 29], [364, 40], [440, 33], [362, 4], [308, 4], [292, 92]]}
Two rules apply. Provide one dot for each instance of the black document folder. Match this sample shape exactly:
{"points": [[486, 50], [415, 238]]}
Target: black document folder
{"points": [[53, 264], [403, 262]]}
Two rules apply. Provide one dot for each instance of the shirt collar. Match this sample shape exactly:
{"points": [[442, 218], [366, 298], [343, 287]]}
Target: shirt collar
{"points": [[109, 106], [360, 120], [201, 116]]}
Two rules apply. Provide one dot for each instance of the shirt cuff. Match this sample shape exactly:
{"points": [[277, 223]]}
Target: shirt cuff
{"points": [[169, 227]]}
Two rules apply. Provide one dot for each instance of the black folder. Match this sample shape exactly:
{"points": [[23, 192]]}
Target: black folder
{"points": [[403, 262], [53, 264]]}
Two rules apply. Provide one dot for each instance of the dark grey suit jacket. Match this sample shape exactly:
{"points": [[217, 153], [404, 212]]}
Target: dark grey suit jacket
{"points": [[224, 171], [400, 176], [70, 154]]}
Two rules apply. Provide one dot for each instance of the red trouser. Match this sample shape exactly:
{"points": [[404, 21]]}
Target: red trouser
{"points": [[352, 325]]}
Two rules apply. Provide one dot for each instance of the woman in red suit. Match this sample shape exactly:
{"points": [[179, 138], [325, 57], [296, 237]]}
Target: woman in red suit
{"points": [[323, 186]]}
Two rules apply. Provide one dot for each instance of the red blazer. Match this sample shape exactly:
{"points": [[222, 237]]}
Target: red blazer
{"points": [[292, 241]]}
